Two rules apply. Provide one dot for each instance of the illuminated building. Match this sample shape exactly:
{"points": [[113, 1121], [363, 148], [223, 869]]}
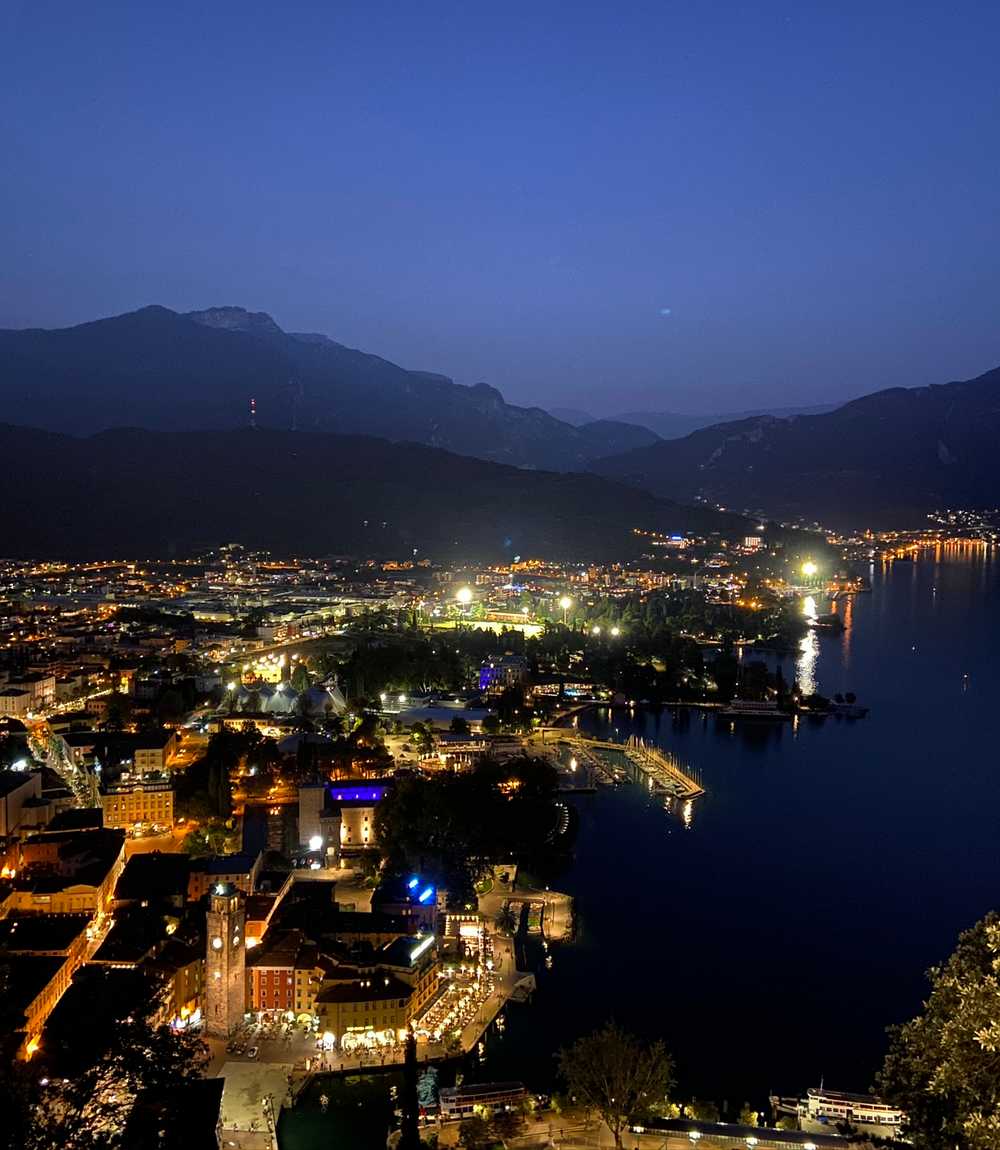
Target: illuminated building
{"points": [[375, 1004], [139, 804], [65, 872], [181, 967], [16, 788], [239, 871], [40, 954], [411, 897], [225, 951], [284, 975]]}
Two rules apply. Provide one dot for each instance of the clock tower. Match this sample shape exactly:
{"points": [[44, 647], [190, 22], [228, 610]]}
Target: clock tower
{"points": [[225, 966]]}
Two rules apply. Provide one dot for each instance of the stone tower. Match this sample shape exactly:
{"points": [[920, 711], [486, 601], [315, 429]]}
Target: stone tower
{"points": [[225, 966]]}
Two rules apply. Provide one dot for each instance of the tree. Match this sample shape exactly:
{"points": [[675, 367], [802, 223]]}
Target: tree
{"points": [[300, 678], [507, 1124], [506, 920], [943, 1067], [749, 1116], [702, 1111], [89, 1111], [476, 1133], [460, 725], [616, 1075], [423, 737]]}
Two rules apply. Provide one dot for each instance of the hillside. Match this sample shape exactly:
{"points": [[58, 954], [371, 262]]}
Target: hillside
{"points": [[157, 368], [882, 460], [134, 493], [677, 424]]}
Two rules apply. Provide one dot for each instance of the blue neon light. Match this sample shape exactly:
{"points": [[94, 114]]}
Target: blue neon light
{"points": [[426, 894], [412, 883]]}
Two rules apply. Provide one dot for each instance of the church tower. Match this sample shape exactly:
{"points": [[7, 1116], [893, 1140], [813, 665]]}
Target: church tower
{"points": [[225, 973]]}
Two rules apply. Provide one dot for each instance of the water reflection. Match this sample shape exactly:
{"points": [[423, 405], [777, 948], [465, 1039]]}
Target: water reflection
{"points": [[805, 663]]}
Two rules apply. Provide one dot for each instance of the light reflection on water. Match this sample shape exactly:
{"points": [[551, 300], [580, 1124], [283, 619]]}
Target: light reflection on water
{"points": [[805, 663]]}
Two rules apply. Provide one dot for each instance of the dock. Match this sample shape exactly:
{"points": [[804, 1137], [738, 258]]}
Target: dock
{"points": [[616, 761]]}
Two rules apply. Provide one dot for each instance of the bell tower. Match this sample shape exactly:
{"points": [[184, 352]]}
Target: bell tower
{"points": [[225, 973]]}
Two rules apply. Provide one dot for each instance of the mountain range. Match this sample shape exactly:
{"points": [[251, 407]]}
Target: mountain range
{"points": [[882, 460], [130, 493], [885, 459], [164, 370], [677, 424]]}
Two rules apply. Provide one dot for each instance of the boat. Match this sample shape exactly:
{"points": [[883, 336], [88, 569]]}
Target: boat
{"points": [[829, 621], [848, 710], [463, 1101], [822, 1107], [754, 709]]}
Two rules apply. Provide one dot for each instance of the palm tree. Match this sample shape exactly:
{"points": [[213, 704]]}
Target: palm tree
{"points": [[506, 920]]}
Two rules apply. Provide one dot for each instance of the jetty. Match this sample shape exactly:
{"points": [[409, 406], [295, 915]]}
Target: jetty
{"points": [[662, 770]]}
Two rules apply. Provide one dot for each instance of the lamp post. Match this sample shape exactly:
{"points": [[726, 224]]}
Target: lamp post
{"points": [[565, 602]]}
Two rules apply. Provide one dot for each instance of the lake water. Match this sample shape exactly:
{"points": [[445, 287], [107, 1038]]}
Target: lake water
{"points": [[826, 868]]}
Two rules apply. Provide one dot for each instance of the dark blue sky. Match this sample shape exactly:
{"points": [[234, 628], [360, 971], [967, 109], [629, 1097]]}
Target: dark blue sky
{"points": [[515, 192]]}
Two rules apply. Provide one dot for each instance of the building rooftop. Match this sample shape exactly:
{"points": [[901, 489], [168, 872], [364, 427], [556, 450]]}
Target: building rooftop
{"points": [[371, 987], [241, 864], [10, 781], [41, 933], [155, 876], [78, 819], [25, 977]]}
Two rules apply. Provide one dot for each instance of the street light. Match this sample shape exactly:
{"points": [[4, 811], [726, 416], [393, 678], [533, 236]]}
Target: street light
{"points": [[809, 568], [464, 595], [595, 630], [615, 632], [565, 602]]}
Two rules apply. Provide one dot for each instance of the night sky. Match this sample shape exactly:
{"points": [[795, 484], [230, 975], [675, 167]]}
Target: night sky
{"points": [[675, 206]]}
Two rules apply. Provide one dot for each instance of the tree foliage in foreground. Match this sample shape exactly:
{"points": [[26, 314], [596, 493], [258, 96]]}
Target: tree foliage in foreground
{"points": [[943, 1067], [616, 1075], [89, 1111]]}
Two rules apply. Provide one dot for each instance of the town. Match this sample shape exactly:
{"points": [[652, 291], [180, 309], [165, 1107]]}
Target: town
{"points": [[226, 780]]}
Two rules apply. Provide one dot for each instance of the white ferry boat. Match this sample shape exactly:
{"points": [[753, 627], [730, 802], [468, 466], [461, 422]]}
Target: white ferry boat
{"points": [[766, 709], [822, 1107]]}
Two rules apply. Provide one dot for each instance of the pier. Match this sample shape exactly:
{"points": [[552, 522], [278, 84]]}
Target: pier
{"points": [[611, 762]]}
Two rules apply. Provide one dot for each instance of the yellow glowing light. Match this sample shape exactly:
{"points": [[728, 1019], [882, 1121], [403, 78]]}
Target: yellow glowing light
{"points": [[464, 595], [565, 602], [809, 568]]}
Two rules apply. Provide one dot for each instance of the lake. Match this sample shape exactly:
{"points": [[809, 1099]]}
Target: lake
{"points": [[826, 868]]}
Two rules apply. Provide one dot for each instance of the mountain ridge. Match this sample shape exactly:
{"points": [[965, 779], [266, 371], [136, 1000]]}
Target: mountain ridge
{"points": [[158, 368], [883, 459], [131, 491]]}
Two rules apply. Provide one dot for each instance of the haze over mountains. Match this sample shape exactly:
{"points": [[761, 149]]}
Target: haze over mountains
{"points": [[133, 492], [677, 424], [160, 369], [883, 459]]}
